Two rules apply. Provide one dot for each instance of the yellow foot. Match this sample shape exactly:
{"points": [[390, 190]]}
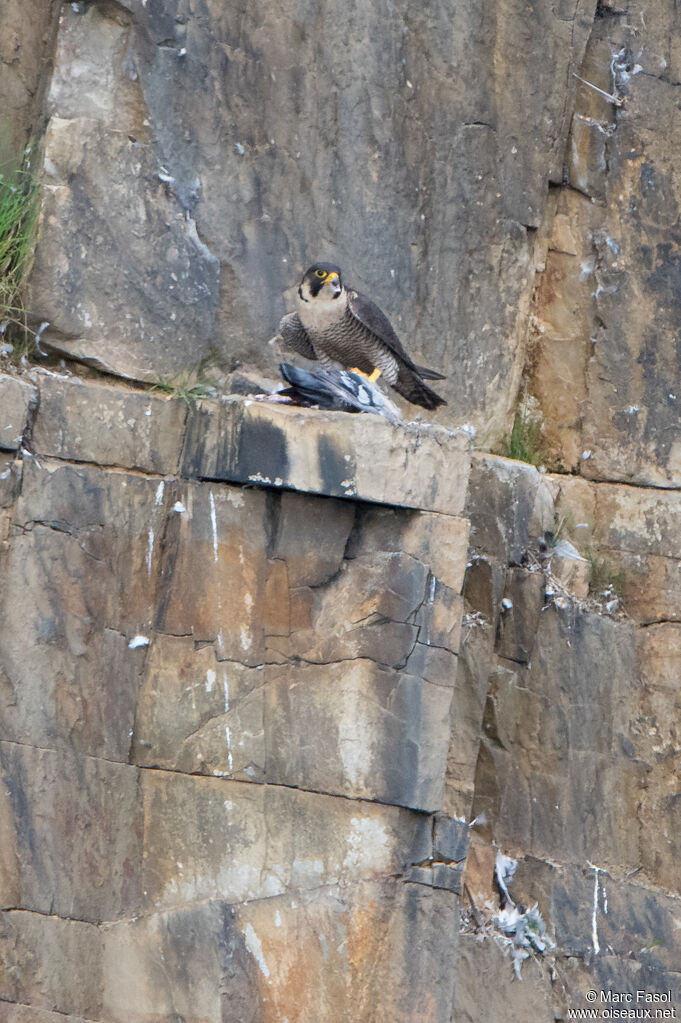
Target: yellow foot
{"points": [[373, 377]]}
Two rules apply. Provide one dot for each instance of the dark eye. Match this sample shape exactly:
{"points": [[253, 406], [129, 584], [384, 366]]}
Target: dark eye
{"points": [[320, 273]]}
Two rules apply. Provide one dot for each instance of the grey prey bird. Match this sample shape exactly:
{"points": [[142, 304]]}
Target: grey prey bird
{"points": [[334, 388], [339, 326]]}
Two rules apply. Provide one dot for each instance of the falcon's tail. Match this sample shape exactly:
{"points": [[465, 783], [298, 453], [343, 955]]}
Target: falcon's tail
{"points": [[429, 374], [411, 387]]}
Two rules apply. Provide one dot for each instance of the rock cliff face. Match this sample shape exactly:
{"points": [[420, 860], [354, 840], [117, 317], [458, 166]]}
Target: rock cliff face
{"points": [[199, 157], [225, 709], [238, 759], [27, 42], [262, 668], [578, 715], [606, 353]]}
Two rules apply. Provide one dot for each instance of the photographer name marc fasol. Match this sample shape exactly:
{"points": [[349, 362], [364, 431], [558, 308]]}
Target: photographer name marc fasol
{"points": [[636, 997]]}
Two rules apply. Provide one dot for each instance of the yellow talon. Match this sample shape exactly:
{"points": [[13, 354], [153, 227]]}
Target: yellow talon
{"points": [[373, 377]]}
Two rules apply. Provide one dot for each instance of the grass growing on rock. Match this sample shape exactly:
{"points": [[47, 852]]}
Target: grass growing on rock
{"points": [[193, 385], [604, 575], [18, 218], [525, 443], [180, 387]]}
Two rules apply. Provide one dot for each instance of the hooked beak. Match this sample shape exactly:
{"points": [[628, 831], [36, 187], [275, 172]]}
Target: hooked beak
{"points": [[334, 280]]}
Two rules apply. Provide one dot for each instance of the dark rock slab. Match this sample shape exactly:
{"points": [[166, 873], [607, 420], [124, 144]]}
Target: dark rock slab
{"points": [[63, 835], [332, 453], [16, 398]]}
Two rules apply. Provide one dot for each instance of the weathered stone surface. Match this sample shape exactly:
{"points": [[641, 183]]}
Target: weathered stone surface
{"points": [[85, 421], [341, 953], [576, 763], [450, 839], [521, 607], [192, 963], [561, 340], [588, 735], [337, 953], [16, 396], [652, 586], [10, 480], [206, 130], [332, 453], [13, 1013], [263, 654], [28, 30], [80, 583], [468, 705], [606, 357], [635, 532], [300, 640], [366, 952], [554, 745], [371, 608], [656, 740], [433, 664], [639, 521], [214, 570], [311, 538], [510, 505], [198, 714], [355, 728], [594, 913], [439, 619], [144, 285], [224, 717], [576, 759], [51, 964], [207, 838], [483, 587], [67, 851], [483, 975], [78, 293], [603, 929], [576, 509], [438, 541]]}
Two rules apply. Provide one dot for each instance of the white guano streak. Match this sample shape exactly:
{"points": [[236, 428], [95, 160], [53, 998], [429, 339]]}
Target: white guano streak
{"points": [[214, 527], [150, 539], [594, 915], [254, 946]]}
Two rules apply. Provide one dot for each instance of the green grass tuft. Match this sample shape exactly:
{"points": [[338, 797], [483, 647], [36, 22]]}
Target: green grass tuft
{"points": [[18, 219], [525, 443], [604, 575], [193, 385]]}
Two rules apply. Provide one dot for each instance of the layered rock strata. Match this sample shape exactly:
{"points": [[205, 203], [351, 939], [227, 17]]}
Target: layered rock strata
{"points": [[577, 714], [225, 708]]}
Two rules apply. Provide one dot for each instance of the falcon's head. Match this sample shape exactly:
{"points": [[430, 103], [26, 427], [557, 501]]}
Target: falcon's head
{"points": [[323, 280]]}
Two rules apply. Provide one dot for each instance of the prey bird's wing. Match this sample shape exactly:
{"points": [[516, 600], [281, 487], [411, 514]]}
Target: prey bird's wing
{"points": [[337, 388], [311, 387]]}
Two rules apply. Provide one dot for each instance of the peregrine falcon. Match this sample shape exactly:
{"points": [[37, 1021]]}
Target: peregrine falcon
{"points": [[338, 325]]}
